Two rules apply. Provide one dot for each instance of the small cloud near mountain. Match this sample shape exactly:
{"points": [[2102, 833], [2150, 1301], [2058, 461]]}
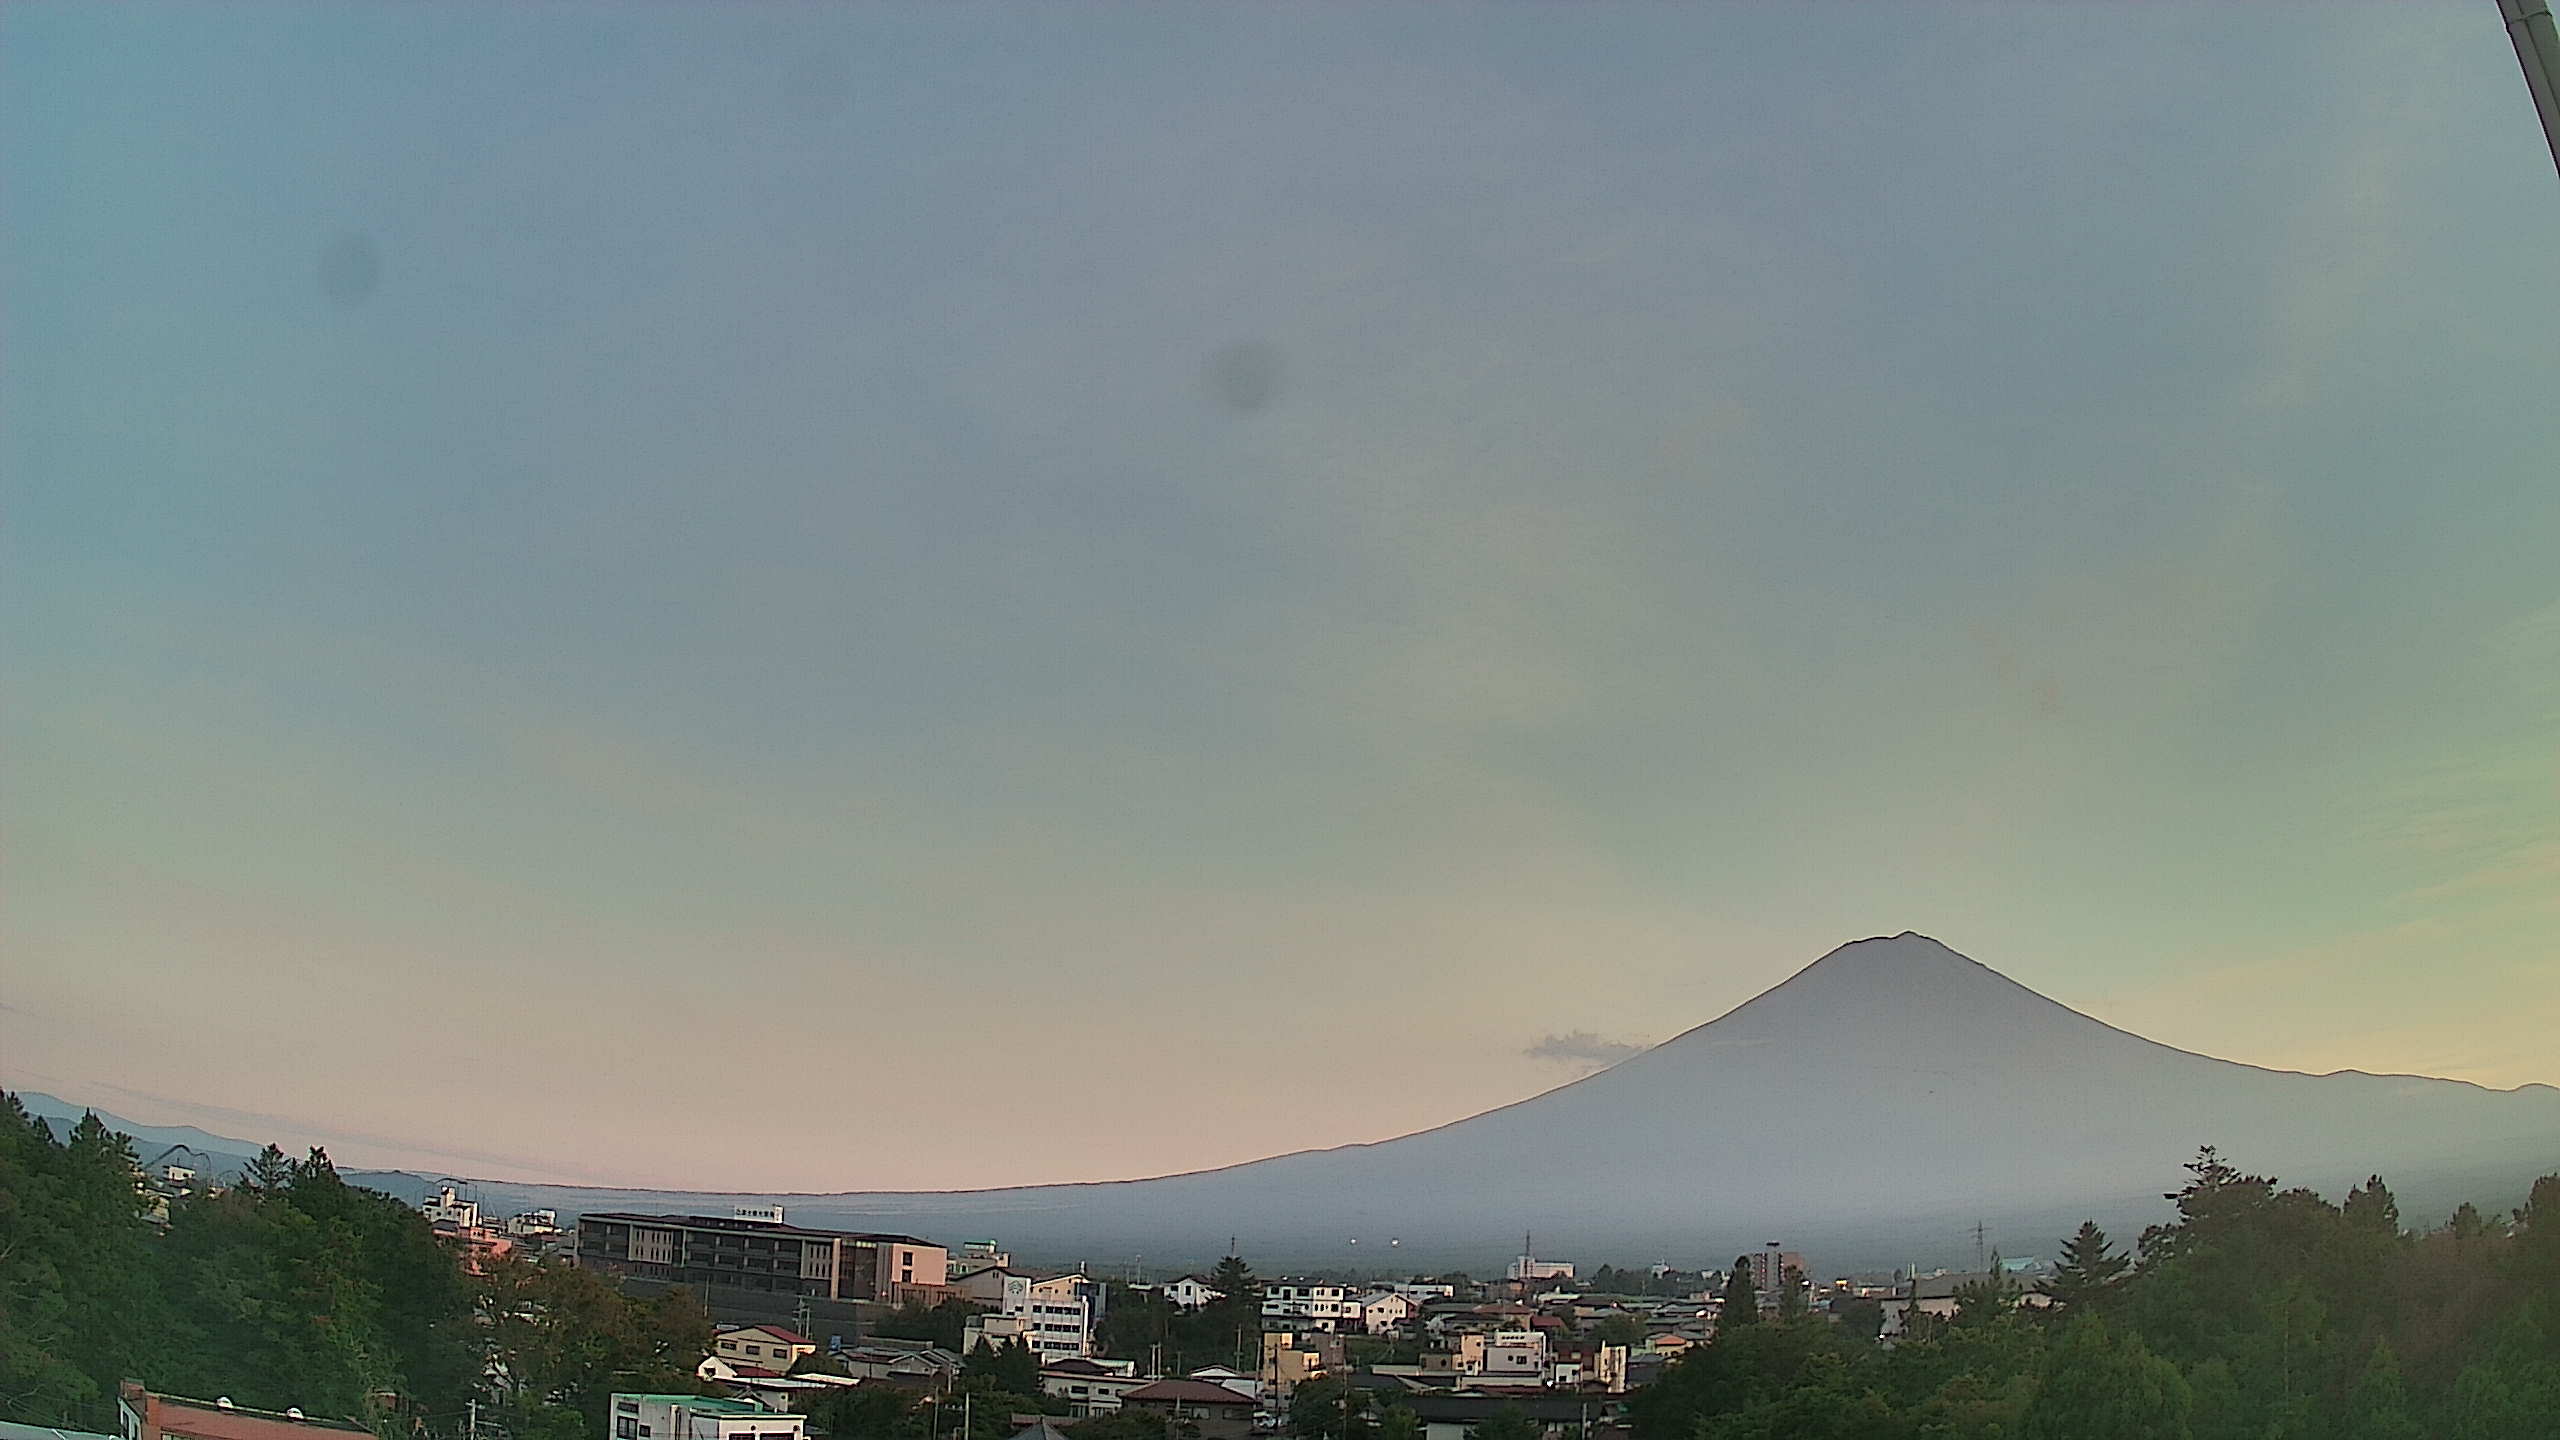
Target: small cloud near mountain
{"points": [[1585, 1050]]}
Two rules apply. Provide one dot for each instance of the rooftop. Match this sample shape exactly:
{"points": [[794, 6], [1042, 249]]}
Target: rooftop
{"points": [[1186, 1392], [209, 1421], [747, 1227], [708, 1404]]}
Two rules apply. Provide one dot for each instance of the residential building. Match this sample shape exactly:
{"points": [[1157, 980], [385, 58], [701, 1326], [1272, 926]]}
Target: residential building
{"points": [[766, 1255], [1055, 1317], [978, 1255], [1290, 1358], [480, 1244], [999, 1286], [534, 1224], [1218, 1412], [143, 1415], [1768, 1272], [699, 1417], [1936, 1295], [1455, 1417], [1190, 1293], [1514, 1357], [448, 1206], [1232, 1378], [769, 1347], [1424, 1292], [1382, 1311], [1089, 1386], [1320, 1304], [906, 1364]]}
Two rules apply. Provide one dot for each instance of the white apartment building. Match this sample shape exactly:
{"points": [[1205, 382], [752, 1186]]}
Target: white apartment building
{"points": [[1324, 1307], [699, 1417], [1529, 1267], [534, 1223], [1055, 1317], [1514, 1355], [447, 1207], [1091, 1387]]}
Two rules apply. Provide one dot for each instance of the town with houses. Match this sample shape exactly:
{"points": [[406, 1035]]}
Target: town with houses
{"points": [[796, 1309], [759, 1325], [1542, 1341]]}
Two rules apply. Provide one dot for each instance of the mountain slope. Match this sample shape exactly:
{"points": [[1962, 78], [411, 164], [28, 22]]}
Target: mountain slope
{"points": [[1868, 1109]]}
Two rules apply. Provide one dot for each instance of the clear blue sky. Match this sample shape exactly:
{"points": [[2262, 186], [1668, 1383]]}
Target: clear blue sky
{"points": [[941, 595]]}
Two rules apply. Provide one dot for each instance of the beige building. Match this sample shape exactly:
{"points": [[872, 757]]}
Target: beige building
{"points": [[768, 1347]]}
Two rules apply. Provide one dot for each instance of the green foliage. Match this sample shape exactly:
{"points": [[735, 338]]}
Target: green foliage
{"points": [[1740, 1303], [1235, 1280], [1619, 1330], [2088, 1268], [1133, 1424], [864, 1412], [2098, 1385], [1399, 1423], [292, 1289], [2258, 1313], [1508, 1423], [1330, 1409], [946, 1324], [1140, 1324], [1008, 1366], [562, 1340]]}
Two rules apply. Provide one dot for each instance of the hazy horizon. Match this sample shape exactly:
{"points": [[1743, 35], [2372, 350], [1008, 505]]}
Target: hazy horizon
{"points": [[1097, 591]]}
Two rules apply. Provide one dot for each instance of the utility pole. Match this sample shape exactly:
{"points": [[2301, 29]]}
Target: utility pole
{"points": [[2538, 51]]}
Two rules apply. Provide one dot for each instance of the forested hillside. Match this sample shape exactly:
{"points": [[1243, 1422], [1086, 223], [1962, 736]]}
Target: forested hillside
{"points": [[2258, 1314], [294, 1288]]}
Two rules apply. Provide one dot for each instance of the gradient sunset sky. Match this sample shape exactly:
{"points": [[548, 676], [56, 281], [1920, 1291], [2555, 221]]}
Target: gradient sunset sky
{"points": [[884, 596]]}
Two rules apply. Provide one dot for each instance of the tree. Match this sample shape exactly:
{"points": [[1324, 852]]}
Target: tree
{"points": [[1006, 1365], [2378, 1408], [2097, 1386], [1508, 1423], [862, 1412], [1859, 1315], [1235, 1283], [2089, 1267], [1619, 1329], [1329, 1409], [1128, 1424], [1399, 1423], [1740, 1304], [267, 1172], [946, 1324], [1791, 1293], [1988, 1297], [2369, 1207]]}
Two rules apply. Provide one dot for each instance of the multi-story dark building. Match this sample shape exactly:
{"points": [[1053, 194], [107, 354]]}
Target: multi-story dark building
{"points": [[763, 1255]]}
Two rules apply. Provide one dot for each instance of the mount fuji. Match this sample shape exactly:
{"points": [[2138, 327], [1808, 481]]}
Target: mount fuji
{"points": [[1874, 1108]]}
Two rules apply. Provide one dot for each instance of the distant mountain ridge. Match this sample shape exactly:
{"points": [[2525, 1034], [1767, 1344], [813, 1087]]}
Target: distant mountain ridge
{"points": [[1869, 1108]]}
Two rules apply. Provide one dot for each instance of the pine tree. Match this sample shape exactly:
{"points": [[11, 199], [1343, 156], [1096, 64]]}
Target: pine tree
{"points": [[1235, 1282], [1791, 1297], [1741, 1303], [2086, 1270], [2378, 1409], [2370, 1208]]}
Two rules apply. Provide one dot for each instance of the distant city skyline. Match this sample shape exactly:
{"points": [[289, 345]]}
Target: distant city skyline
{"points": [[849, 598]]}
